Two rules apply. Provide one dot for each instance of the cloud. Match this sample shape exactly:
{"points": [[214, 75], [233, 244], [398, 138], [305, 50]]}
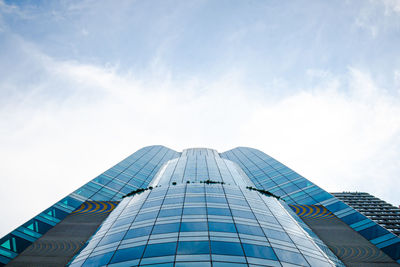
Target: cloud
{"points": [[340, 139], [79, 119], [391, 6]]}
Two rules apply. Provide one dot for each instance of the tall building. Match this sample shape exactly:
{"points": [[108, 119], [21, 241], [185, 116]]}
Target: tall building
{"points": [[384, 214], [198, 207]]}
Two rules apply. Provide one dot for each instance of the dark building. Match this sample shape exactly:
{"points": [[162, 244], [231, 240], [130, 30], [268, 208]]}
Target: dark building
{"points": [[159, 207], [374, 208]]}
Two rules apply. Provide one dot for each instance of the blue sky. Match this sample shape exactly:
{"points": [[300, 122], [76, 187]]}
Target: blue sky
{"points": [[84, 84]]}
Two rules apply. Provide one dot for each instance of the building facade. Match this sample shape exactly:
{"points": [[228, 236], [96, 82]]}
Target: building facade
{"points": [[384, 214], [198, 207]]}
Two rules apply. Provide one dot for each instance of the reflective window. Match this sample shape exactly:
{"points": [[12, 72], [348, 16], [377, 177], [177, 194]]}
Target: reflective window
{"points": [[249, 229], [291, 257], [194, 247], [98, 260], [111, 238], [146, 216], [193, 226], [243, 214], [258, 251], [162, 249], [165, 228], [222, 227], [275, 234], [170, 212], [218, 211], [194, 211], [136, 232], [128, 254], [226, 248]]}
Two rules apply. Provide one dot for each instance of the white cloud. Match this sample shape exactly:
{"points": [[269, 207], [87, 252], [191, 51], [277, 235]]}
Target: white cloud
{"points": [[340, 140], [391, 6], [52, 141]]}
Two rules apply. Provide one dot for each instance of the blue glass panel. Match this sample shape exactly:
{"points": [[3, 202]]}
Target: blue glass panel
{"points": [[259, 251], [165, 228], [195, 199], [136, 232], [121, 222], [249, 229], [150, 204], [239, 202], [373, 232], [291, 257], [170, 212], [194, 211], [192, 264], [336, 206], [243, 214], [176, 190], [393, 250], [98, 260], [271, 233], [266, 218], [128, 254], [353, 218], [226, 248], [228, 264], [111, 238], [162, 249], [221, 227], [218, 211], [174, 200], [146, 216], [193, 226], [194, 189], [193, 247], [214, 189], [321, 196], [216, 199]]}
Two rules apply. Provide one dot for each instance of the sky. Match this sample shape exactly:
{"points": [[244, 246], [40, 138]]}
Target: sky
{"points": [[84, 84]]}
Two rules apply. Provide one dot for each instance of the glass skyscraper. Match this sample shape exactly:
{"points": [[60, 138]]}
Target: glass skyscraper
{"points": [[198, 207]]}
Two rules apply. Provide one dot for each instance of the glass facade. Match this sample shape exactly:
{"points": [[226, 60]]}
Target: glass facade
{"points": [[269, 174], [202, 208], [201, 224]]}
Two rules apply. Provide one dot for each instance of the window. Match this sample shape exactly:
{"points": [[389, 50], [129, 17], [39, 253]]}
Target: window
{"points": [[162, 249], [258, 251], [249, 229], [99, 260], [111, 238], [221, 227], [193, 226], [194, 211], [226, 248], [170, 212], [128, 254], [165, 228], [243, 214], [291, 257], [136, 232], [194, 247], [218, 211]]}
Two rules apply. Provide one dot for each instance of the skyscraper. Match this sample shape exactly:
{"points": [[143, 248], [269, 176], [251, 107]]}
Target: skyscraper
{"points": [[159, 207]]}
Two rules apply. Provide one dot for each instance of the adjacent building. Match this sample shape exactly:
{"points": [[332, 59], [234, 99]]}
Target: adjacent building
{"points": [[199, 207]]}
